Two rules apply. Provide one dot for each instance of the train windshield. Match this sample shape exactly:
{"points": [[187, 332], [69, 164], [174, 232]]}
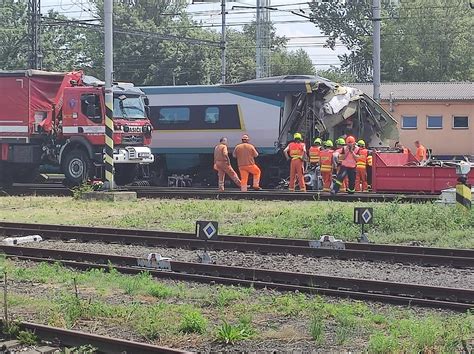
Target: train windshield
{"points": [[129, 107]]}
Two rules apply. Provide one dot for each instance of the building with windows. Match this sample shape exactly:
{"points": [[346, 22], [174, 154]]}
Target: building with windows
{"points": [[439, 114]]}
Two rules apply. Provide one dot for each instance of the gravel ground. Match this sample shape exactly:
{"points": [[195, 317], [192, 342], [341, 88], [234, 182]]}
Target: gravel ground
{"points": [[434, 276]]}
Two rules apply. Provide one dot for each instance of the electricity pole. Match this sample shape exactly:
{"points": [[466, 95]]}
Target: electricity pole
{"points": [[258, 59], [376, 48], [109, 95], [223, 44], [34, 7]]}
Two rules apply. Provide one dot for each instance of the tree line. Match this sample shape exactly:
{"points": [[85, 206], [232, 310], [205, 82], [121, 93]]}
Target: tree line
{"points": [[157, 43]]}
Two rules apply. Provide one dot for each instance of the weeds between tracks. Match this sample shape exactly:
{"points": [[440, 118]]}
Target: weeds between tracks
{"points": [[427, 223], [195, 316]]}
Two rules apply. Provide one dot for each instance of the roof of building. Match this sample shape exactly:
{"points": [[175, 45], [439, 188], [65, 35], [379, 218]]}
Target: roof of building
{"points": [[421, 90]]}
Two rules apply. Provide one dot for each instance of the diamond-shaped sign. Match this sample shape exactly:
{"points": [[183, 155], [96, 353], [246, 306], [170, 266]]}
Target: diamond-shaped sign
{"points": [[363, 215], [206, 229]]}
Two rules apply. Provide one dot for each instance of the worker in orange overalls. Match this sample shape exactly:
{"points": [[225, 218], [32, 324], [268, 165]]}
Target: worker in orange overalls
{"points": [[361, 167], [420, 152], [245, 153], [326, 163], [296, 150], [314, 151], [314, 159], [222, 164], [348, 167], [338, 155]]}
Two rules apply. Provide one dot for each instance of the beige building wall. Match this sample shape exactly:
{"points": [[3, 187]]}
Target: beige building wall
{"points": [[445, 141]]}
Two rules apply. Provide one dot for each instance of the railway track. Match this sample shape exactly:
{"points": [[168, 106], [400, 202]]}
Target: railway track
{"points": [[428, 256], [103, 344], [232, 194], [361, 289]]}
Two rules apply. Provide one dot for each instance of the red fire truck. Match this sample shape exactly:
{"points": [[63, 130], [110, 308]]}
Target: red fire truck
{"points": [[59, 119]]}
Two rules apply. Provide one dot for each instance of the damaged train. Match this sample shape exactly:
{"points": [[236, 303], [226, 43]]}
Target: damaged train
{"points": [[189, 120]]}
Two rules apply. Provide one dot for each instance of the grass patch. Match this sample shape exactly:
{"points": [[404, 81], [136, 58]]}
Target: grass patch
{"points": [[193, 322], [168, 312], [316, 328], [232, 333], [393, 223]]}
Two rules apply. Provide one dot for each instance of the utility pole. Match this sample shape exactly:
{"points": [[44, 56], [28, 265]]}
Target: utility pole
{"points": [[258, 58], [109, 95], [34, 7], [376, 48], [223, 43]]}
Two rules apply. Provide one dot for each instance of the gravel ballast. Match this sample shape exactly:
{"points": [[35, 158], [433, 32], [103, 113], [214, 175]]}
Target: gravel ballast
{"points": [[433, 276]]}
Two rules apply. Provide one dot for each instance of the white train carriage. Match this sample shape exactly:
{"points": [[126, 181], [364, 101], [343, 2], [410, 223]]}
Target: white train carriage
{"points": [[188, 121]]}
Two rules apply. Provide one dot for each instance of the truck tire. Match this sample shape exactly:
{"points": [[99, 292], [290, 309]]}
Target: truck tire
{"points": [[125, 173], [76, 167]]}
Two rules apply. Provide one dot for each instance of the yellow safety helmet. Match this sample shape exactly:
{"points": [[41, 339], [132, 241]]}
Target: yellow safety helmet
{"points": [[328, 143], [297, 136], [318, 141], [340, 141], [361, 142]]}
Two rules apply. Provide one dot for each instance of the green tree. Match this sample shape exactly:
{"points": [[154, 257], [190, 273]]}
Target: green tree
{"points": [[422, 40], [292, 63], [13, 32]]}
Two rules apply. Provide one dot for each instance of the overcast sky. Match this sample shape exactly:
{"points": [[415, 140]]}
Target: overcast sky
{"points": [[301, 33]]}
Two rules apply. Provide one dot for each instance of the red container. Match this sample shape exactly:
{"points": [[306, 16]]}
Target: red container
{"points": [[397, 172]]}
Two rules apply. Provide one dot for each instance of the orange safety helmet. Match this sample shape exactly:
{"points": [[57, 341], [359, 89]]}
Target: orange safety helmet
{"points": [[245, 137], [350, 140]]}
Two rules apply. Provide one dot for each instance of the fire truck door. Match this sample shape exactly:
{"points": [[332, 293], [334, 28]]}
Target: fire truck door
{"points": [[83, 116]]}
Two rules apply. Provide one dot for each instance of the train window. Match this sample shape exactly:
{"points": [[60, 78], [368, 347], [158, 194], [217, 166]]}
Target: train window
{"points": [[197, 117], [211, 115], [174, 115]]}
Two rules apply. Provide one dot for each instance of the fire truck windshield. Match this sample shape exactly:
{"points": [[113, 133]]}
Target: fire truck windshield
{"points": [[129, 107]]}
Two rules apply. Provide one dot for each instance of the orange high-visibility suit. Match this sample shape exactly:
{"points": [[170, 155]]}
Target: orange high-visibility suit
{"points": [[339, 156], [245, 154], [314, 154], [326, 168], [296, 151], [223, 167], [361, 170], [421, 153]]}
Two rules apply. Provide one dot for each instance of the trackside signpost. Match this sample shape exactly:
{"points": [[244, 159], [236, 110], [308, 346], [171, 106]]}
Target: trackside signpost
{"points": [[206, 230], [363, 216]]}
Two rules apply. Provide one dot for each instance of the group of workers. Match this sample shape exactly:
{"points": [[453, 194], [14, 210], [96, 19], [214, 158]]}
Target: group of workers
{"points": [[245, 153], [349, 161]]}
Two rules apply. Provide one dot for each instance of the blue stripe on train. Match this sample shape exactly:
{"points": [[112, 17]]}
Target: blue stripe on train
{"points": [[206, 150], [157, 90]]}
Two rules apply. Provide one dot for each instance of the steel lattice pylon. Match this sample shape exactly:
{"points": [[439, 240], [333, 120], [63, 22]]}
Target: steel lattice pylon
{"points": [[263, 42], [34, 12]]}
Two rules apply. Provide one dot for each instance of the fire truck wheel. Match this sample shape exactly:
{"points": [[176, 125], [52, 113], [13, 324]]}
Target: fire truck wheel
{"points": [[76, 167], [125, 173]]}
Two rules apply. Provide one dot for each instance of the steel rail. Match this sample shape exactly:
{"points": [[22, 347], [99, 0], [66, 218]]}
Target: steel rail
{"points": [[460, 258], [104, 344], [401, 293], [195, 193]]}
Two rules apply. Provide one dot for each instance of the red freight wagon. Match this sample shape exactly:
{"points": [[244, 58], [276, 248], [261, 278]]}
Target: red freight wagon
{"points": [[398, 172], [59, 119]]}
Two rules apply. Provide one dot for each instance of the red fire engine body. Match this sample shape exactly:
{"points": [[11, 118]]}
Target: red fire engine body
{"points": [[59, 119]]}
